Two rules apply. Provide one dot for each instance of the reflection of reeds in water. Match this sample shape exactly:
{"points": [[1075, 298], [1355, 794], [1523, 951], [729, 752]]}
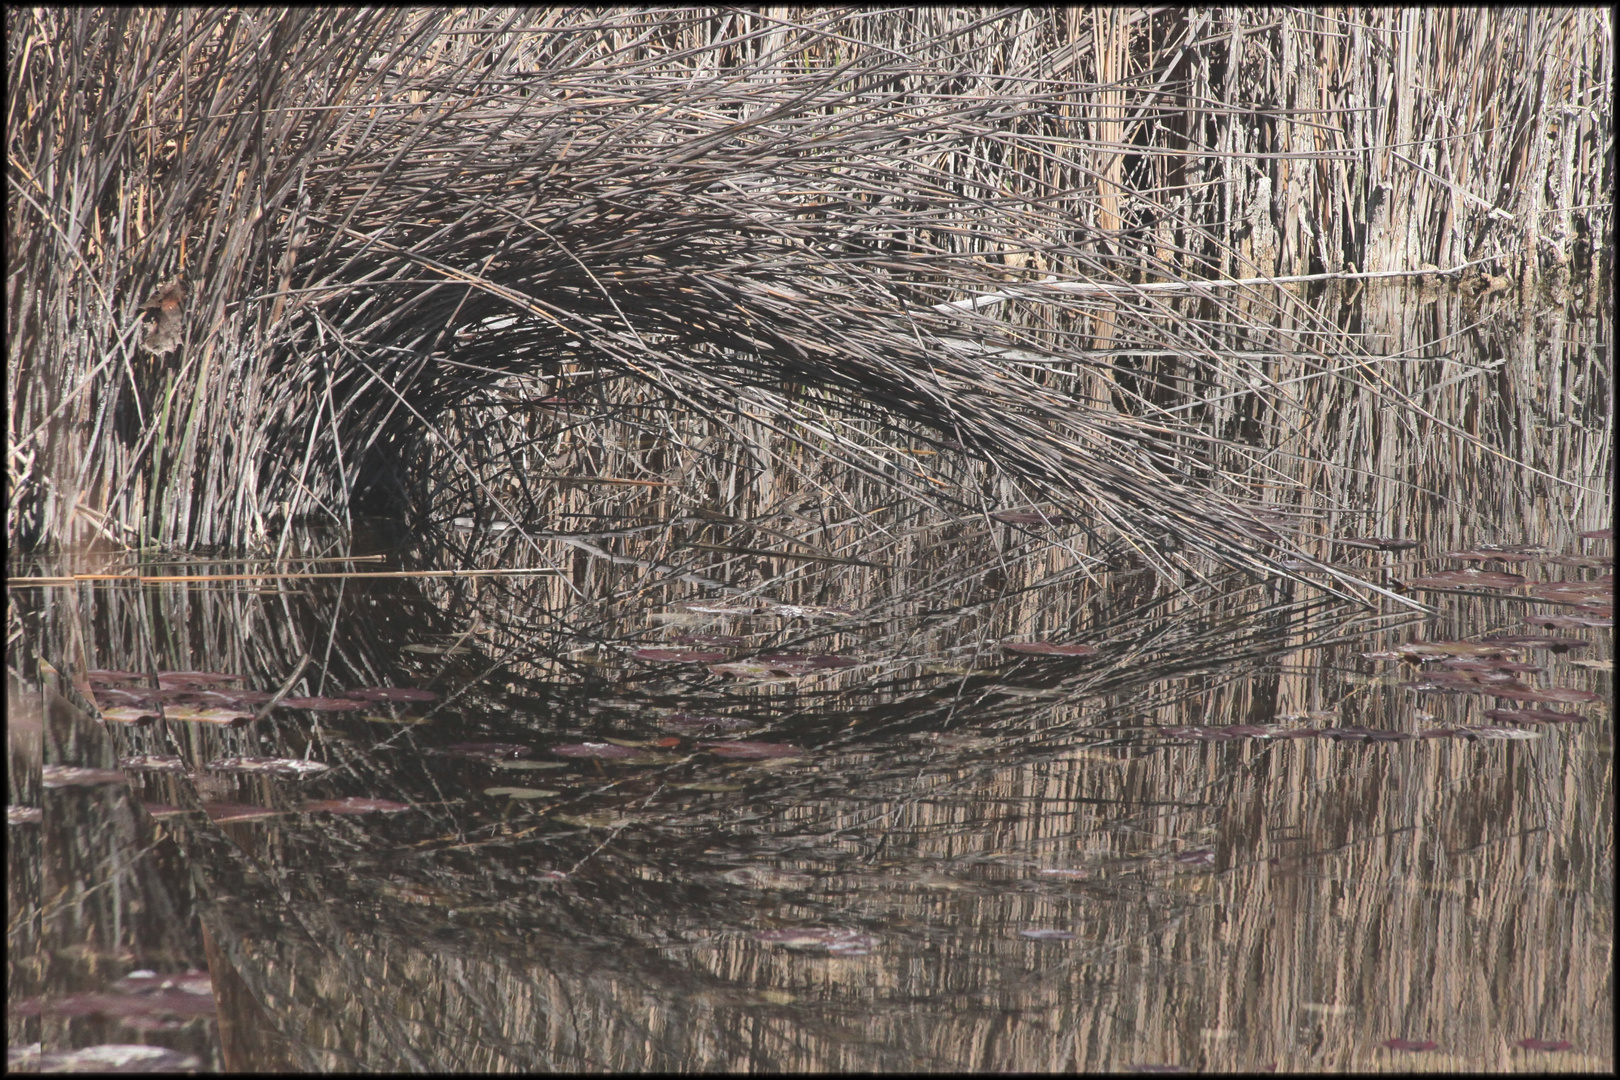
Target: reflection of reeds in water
{"points": [[391, 220]]}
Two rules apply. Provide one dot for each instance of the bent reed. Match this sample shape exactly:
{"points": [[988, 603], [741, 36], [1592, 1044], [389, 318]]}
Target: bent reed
{"points": [[877, 233]]}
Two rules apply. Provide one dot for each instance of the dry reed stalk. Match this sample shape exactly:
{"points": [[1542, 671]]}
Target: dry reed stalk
{"points": [[386, 216]]}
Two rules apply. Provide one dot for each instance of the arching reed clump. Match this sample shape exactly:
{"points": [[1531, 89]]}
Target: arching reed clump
{"points": [[992, 232]]}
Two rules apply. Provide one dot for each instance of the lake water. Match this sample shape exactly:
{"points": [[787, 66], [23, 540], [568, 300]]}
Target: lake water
{"points": [[863, 832]]}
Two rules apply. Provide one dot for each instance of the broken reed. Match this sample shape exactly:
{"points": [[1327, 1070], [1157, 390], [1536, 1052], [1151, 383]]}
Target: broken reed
{"points": [[748, 215]]}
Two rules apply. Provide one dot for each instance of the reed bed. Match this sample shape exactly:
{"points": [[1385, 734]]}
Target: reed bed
{"points": [[1013, 247]]}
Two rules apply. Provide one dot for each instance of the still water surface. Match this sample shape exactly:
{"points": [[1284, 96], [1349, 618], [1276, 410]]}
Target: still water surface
{"points": [[865, 834]]}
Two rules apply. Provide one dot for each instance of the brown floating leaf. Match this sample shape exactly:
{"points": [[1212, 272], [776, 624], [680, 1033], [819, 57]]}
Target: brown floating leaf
{"points": [[1413, 1045], [222, 812], [354, 804], [1562, 695], [1490, 665], [1048, 648], [1047, 935], [677, 656], [272, 766], [839, 942], [810, 661], [1570, 622], [1030, 517], [596, 750], [129, 714], [60, 776], [753, 750], [481, 751], [100, 677], [1377, 543], [24, 815], [1490, 556], [163, 763], [391, 693], [1546, 1044], [730, 641], [323, 704], [206, 716], [687, 724], [163, 810], [1535, 641], [1597, 534], [1533, 716], [1468, 579], [1572, 592], [196, 680], [1436, 650]]}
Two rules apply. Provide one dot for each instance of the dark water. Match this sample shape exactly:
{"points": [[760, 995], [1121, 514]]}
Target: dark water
{"points": [[1228, 839]]}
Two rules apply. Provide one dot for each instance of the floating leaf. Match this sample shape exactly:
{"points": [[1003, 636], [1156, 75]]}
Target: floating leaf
{"points": [[1533, 716], [529, 766], [222, 812], [163, 810], [1487, 666], [1535, 641], [24, 815], [808, 661], [60, 776], [1468, 579], [195, 680], [596, 750], [391, 693], [1412, 1045], [1546, 1044], [1197, 857], [729, 641], [323, 704], [1059, 872], [481, 751], [129, 714], [354, 804], [1048, 935], [709, 785], [689, 724], [747, 669], [1490, 556], [1364, 734], [837, 942], [206, 716], [102, 677], [677, 656], [1499, 733], [436, 650], [272, 766], [1597, 534], [1030, 517], [160, 763], [1557, 695], [1377, 543], [520, 792], [765, 877], [1571, 592], [753, 751], [1436, 650], [1570, 622], [602, 819], [1047, 648]]}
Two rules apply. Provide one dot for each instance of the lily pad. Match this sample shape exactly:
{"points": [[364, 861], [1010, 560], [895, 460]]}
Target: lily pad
{"points": [[1412, 1045], [61, 776], [1047, 935], [222, 812], [1561, 695], [1468, 579], [354, 804], [1376, 543], [677, 656], [323, 704], [837, 942], [196, 680], [596, 750], [481, 751], [753, 751], [158, 763], [1546, 1044], [129, 714], [1048, 648], [272, 766], [391, 693], [687, 724], [1535, 641], [520, 792], [1533, 716]]}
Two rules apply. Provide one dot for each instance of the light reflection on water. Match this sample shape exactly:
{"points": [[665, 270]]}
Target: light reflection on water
{"points": [[982, 861]]}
